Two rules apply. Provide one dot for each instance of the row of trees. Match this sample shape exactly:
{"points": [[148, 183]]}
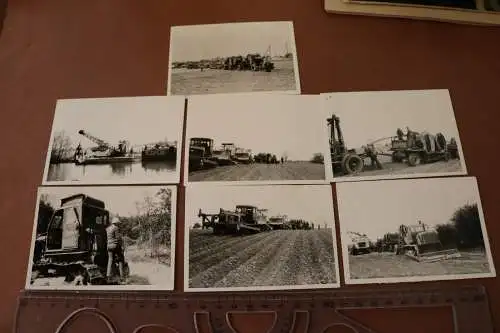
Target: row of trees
{"points": [[463, 231], [150, 228]]}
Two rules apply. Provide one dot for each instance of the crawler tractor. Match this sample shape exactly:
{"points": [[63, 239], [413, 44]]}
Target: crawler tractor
{"points": [[346, 161], [244, 219], [75, 244], [421, 243]]}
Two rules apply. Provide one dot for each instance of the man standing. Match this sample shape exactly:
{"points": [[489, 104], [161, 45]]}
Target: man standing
{"points": [[115, 247]]}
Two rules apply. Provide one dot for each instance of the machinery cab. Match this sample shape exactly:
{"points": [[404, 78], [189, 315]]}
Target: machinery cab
{"points": [[206, 143], [251, 214], [77, 231]]}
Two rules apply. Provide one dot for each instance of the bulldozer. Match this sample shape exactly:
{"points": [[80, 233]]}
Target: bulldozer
{"points": [[421, 243], [244, 219], [346, 161], [74, 244]]}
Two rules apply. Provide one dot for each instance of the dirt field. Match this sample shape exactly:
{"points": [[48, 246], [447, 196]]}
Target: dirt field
{"points": [[242, 172], [403, 168], [384, 265], [210, 81], [143, 271], [274, 258]]}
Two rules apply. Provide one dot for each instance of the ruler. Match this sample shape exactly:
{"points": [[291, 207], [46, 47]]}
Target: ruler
{"points": [[293, 311]]}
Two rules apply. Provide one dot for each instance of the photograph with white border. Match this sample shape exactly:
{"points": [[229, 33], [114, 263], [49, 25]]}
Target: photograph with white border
{"points": [[259, 237], [118, 140], [236, 57], [244, 139], [411, 230], [392, 134], [103, 238]]}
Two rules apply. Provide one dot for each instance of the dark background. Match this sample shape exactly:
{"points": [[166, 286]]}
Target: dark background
{"points": [[73, 49]]}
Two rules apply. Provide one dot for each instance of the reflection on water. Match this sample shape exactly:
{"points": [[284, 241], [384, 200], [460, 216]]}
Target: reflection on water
{"points": [[133, 171]]}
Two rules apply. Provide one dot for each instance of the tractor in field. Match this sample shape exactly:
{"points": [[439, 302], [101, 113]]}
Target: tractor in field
{"points": [[243, 220], [347, 161], [279, 222], [74, 245], [201, 154], [417, 148], [421, 243], [359, 243]]}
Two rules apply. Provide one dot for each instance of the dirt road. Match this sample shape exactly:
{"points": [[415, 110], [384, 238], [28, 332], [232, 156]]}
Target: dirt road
{"points": [[242, 172], [274, 258], [390, 168], [384, 265]]}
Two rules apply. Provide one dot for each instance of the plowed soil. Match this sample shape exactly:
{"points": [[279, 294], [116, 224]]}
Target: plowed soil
{"points": [[274, 258], [244, 172]]}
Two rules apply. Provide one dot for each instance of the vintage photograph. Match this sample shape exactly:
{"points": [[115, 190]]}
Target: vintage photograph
{"points": [[121, 140], [392, 134], [259, 138], [413, 230], [259, 238], [245, 57], [103, 238]]}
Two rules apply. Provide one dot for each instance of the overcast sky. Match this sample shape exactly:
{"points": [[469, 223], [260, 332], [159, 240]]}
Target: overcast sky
{"points": [[309, 202], [118, 200], [375, 208], [368, 116], [190, 43], [271, 123], [139, 120]]}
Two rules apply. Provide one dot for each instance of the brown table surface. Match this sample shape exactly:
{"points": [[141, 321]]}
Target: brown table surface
{"points": [[70, 49]]}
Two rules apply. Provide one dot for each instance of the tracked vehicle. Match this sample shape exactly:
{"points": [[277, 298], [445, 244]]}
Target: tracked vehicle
{"points": [[243, 220], [421, 243], [75, 244]]}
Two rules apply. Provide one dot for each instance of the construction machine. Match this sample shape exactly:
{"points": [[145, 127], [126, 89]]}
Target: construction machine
{"points": [[74, 245], [103, 152], [346, 161], [417, 148], [359, 243], [279, 222], [421, 243], [201, 154], [244, 219]]}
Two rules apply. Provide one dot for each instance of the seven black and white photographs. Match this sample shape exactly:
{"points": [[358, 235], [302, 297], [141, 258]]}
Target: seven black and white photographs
{"points": [[249, 139], [121, 140], [392, 134], [77, 229], [259, 238], [244, 57], [412, 230]]}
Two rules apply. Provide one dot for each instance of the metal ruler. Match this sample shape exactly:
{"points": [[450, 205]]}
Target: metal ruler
{"points": [[293, 311]]}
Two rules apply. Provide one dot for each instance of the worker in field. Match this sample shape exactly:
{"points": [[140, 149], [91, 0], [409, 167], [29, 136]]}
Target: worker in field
{"points": [[372, 154], [115, 248]]}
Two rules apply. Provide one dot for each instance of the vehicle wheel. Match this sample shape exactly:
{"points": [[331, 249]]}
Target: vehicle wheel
{"points": [[414, 159], [352, 164]]}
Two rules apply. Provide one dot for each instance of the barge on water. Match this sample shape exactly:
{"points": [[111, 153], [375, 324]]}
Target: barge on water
{"points": [[159, 152]]}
